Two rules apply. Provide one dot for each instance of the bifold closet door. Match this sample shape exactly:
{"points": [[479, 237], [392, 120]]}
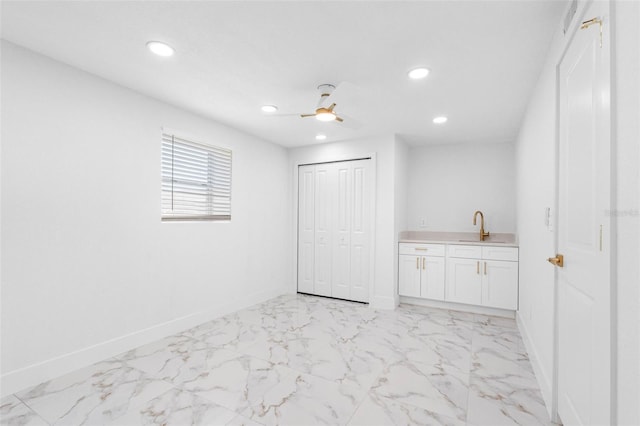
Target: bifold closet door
{"points": [[306, 228], [334, 229], [324, 207], [360, 214]]}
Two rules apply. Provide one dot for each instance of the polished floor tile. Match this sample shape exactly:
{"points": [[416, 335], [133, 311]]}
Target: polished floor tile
{"points": [[14, 412], [304, 360]]}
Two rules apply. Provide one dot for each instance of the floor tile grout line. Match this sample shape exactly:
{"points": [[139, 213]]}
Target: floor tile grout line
{"points": [[31, 408], [365, 396], [409, 404]]}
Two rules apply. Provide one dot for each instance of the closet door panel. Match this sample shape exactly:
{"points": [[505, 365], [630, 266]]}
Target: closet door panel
{"points": [[341, 234], [324, 189], [360, 229], [306, 228]]}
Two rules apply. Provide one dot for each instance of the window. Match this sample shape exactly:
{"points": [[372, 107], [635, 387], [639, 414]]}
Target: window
{"points": [[196, 180]]}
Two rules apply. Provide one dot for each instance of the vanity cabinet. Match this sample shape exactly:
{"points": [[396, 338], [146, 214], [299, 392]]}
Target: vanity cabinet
{"points": [[500, 284], [464, 282], [483, 275], [471, 274], [421, 269]]}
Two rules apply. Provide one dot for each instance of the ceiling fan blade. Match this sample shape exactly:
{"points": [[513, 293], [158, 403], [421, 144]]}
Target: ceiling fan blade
{"points": [[346, 93], [348, 122], [307, 115], [331, 107], [283, 115]]}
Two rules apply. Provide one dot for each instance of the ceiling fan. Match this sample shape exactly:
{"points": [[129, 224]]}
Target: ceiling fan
{"points": [[330, 96], [325, 113]]}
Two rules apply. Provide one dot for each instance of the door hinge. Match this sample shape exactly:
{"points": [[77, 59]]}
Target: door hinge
{"points": [[590, 22]]}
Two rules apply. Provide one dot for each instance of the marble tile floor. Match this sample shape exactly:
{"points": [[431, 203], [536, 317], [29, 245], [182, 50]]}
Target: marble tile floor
{"points": [[304, 360]]}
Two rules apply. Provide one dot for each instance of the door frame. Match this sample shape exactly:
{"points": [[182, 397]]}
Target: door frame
{"points": [[372, 250], [578, 18]]}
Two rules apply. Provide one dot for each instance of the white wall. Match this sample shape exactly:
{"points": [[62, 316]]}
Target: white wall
{"points": [[536, 152], [88, 269], [626, 107], [536, 189], [448, 183], [383, 147], [401, 200]]}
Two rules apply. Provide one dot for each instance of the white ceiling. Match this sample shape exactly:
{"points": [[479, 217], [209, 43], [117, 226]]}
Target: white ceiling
{"points": [[233, 57]]}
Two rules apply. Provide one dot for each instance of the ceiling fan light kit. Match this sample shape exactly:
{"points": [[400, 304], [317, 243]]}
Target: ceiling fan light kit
{"points": [[323, 114]]}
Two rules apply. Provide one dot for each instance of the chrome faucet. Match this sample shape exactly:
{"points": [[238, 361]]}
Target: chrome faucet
{"points": [[482, 233]]}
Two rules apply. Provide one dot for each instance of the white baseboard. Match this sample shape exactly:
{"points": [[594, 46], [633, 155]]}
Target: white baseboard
{"points": [[17, 380], [380, 302], [544, 381], [457, 307]]}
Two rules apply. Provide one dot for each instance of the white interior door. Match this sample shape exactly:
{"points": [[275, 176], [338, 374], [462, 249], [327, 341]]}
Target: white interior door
{"points": [[584, 341]]}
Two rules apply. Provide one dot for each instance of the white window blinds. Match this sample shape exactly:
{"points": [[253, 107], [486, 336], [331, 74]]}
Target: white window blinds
{"points": [[196, 180]]}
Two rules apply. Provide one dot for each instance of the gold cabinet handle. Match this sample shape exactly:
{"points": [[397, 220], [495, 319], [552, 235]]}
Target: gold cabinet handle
{"points": [[420, 249], [485, 268], [417, 263], [558, 260], [478, 267], [424, 262]]}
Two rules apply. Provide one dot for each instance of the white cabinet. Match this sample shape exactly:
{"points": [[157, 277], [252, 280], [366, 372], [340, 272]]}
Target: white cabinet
{"points": [[335, 202], [464, 282], [500, 284], [409, 275], [432, 278], [421, 270], [471, 274], [483, 275]]}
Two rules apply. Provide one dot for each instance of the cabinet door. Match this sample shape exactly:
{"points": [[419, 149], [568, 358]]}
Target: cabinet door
{"points": [[500, 284], [464, 282], [409, 275], [432, 278]]}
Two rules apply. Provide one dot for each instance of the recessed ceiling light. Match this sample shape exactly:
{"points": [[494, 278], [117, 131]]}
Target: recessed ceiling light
{"points": [[160, 48], [440, 120], [418, 73], [321, 137], [269, 108]]}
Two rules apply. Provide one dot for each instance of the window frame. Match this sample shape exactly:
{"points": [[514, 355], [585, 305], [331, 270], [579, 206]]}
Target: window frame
{"points": [[194, 142]]}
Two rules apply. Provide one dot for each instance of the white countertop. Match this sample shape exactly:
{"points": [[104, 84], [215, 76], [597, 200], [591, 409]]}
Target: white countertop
{"points": [[465, 238]]}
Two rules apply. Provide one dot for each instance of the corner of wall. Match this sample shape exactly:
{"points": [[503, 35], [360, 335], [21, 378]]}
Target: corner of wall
{"points": [[544, 381]]}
